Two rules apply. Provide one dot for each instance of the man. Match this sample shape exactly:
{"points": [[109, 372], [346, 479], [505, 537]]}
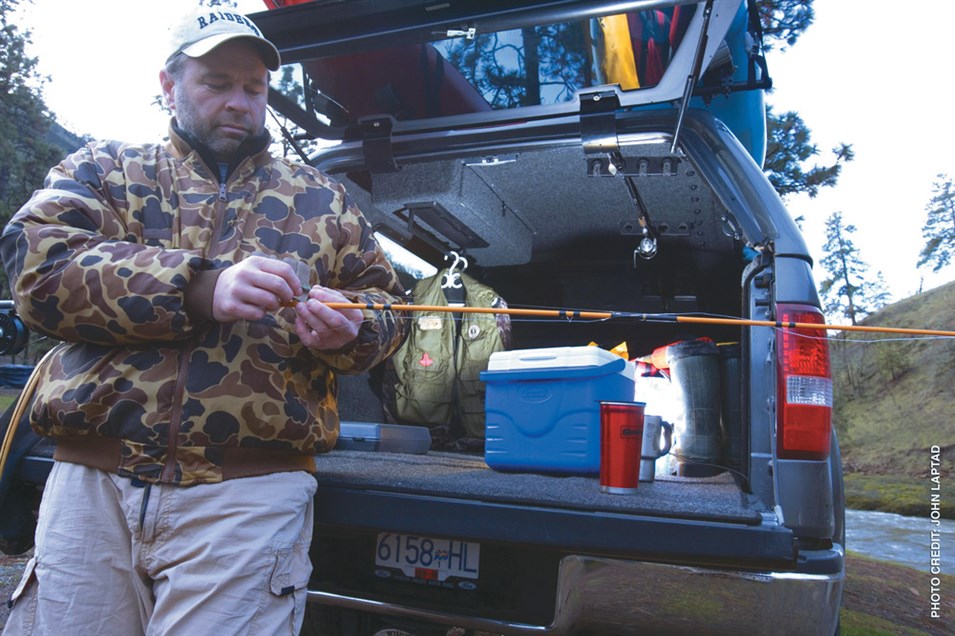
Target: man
{"points": [[194, 385]]}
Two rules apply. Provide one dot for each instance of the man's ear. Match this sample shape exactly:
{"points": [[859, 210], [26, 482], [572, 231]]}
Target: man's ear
{"points": [[166, 81]]}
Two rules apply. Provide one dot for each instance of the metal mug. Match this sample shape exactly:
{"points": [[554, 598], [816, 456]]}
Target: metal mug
{"points": [[621, 435], [653, 426]]}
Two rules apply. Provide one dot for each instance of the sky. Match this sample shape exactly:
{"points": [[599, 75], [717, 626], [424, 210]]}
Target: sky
{"points": [[880, 81], [102, 60], [874, 79]]}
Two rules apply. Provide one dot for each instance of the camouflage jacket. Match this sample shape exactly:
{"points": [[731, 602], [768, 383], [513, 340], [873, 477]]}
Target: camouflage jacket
{"points": [[109, 256]]}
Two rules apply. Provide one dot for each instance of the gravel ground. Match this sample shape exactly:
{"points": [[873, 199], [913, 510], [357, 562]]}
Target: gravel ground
{"points": [[10, 570]]}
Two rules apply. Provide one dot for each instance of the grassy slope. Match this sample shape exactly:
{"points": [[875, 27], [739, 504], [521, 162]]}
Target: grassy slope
{"points": [[884, 598], [894, 398]]}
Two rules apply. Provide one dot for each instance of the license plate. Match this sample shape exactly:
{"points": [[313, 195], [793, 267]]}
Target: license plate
{"points": [[426, 559]]}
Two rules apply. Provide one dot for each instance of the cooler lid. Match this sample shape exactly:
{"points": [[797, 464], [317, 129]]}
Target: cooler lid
{"points": [[554, 357]]}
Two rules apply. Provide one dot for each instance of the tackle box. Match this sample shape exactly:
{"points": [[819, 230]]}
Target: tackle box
{"points": [[543, 407], [386, 438]]}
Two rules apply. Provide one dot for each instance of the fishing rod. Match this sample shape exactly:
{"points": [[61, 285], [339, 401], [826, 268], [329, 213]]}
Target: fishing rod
{"points": [[571, 314]]}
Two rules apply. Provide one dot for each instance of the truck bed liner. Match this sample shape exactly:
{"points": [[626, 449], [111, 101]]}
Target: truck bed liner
{"points": [[464, 476], [458, 495], [468, 477]]}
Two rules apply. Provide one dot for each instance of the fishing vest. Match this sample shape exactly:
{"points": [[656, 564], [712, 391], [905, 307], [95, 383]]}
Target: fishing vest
{"points": [[438, 367]]}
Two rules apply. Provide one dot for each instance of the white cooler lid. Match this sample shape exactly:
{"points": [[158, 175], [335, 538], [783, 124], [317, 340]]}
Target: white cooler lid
{"points": [[554, 357]]}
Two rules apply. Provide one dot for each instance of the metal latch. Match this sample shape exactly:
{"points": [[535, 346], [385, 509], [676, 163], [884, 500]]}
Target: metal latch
{"points": [[470, 33], [376, 144], [598, 130]]}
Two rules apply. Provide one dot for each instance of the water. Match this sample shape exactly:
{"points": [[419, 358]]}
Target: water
{"points": [[901, 539]]}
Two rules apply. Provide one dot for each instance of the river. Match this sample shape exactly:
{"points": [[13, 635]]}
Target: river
{"points": [[901, 539]]}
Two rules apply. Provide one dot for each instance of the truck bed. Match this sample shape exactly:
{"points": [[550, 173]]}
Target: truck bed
{"points": [[457, 495], [442, 474], [466, 476]]}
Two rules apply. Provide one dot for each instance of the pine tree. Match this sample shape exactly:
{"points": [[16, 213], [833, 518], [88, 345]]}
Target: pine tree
{"points": [[939, 228], [846, 291], [789, 147], [783, 21], [25, 157]]}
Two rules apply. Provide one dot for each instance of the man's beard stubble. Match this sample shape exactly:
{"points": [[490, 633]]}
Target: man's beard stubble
{"points": [[204, 131]]}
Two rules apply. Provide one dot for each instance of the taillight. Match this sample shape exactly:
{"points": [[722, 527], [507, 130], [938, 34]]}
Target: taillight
{"points": [[804, 385]]}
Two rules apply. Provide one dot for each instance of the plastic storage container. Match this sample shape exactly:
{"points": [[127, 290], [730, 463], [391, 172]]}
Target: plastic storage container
{"points": [[386, 438], [542, 407]]}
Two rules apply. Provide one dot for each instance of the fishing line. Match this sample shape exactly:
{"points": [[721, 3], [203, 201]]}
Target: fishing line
{"points": [[839, 339]]}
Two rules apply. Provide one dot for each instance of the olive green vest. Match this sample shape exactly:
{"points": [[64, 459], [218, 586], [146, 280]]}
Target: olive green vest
{"points": [[438, 367]]}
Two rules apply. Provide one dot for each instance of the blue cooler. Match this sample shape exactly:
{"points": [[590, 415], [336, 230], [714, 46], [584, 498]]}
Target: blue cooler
{"points": [[542, 407]]}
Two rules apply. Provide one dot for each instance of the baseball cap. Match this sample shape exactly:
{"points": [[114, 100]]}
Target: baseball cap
{"points": [[201, 31]]}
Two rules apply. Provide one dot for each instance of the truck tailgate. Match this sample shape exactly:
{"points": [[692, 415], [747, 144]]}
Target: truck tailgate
{"points": [[445, 494]]}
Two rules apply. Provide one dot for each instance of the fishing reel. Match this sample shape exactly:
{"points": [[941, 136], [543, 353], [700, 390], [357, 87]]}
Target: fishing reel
{"points": [[13, 333]]}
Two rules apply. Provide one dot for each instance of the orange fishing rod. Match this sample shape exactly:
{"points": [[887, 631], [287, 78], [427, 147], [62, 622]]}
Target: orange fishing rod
{"points": [[571, 314]]}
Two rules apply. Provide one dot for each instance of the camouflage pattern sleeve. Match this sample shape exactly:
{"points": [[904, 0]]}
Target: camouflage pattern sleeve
{"points": [[362, 273], [77, 270]]}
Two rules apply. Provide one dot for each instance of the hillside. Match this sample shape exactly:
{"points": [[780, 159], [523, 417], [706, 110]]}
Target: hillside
{"points": [[895, 395]]}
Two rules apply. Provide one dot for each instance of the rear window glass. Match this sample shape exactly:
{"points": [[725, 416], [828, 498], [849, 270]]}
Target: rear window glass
{"points": [[549, 64], [464, 72]]}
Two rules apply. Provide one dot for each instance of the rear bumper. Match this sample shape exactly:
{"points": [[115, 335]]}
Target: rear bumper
{"points": [[613, 596]]}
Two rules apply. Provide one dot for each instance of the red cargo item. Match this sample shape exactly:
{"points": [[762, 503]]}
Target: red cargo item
{"points": [[278, 4]]}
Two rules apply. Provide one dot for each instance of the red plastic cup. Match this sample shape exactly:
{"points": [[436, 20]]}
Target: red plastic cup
{"points": [[621, 439]]}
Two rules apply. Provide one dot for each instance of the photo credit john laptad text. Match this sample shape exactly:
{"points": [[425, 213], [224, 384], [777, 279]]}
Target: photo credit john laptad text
{"points": [[936, 552]]}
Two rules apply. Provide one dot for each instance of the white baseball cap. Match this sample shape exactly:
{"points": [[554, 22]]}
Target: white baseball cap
{"points": [[204, 30]]}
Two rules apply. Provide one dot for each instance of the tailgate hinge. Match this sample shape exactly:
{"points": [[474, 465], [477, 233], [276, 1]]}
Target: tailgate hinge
{"points": [[376, 144]]}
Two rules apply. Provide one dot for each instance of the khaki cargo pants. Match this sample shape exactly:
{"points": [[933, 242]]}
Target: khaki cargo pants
{"points": [[115, 556]]}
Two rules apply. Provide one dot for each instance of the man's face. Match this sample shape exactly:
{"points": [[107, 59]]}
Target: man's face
{"points": [[221, 97]]}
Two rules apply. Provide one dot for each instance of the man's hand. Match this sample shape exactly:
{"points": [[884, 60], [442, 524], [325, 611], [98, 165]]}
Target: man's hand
{"points": [[322, 328], [252, 287]]}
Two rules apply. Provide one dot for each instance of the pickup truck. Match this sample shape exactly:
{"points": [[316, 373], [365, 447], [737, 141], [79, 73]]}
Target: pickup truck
{"points": [[579, 155]]}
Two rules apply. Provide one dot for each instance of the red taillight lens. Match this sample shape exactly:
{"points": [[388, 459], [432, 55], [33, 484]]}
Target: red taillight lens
{"points": [[804, 386]]}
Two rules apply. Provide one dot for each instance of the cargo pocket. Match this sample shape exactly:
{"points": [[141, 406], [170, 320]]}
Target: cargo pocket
{"points": [[423, 396], [289, 578], [23, 602]]}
